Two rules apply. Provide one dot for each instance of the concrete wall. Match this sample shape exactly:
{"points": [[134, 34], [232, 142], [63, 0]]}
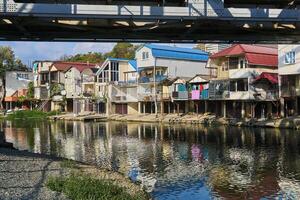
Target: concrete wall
{"points": [[132, 108], [13, 83], [288, 69], [183, 68], [73, 83], [144, 62]]}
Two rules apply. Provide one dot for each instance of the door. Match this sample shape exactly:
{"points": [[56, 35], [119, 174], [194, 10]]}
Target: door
{"points": [[121, 109]]}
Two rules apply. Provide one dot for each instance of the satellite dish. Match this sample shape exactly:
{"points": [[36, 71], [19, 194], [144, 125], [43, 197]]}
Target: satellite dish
{"points": [[63, 92]]}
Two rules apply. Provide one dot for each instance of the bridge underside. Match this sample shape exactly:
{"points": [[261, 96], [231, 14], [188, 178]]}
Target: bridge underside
{"points": [[141, 30]]}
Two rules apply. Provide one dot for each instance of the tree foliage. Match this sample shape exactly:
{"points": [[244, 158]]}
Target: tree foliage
{"points": [[123, 50], [30, 92], [92, 57], [8, 61], [120, 50]]}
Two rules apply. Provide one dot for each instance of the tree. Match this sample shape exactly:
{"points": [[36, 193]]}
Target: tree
{"points": [[91, 57], [123, 50], [30, 92]]}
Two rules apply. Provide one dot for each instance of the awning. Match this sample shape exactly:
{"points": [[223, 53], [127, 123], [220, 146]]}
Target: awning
{"points": [[271, 77]]}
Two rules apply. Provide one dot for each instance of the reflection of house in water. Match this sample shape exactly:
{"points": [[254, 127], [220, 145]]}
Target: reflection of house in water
{"points": [[17, 136]]}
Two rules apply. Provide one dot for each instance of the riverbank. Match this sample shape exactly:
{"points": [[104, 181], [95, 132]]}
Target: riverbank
{"points": [[25, 175], [207, 118], [210, 119]]}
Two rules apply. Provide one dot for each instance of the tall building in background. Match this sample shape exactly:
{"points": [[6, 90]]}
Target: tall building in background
{"points": [[212, 48]]}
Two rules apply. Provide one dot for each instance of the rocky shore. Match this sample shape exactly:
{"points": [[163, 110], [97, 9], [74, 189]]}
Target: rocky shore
{"points": [[210, 119], [24, 175], [207, 118]]}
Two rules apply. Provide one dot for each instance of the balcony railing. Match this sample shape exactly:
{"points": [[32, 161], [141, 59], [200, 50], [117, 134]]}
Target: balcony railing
{"points": [[158, 79], [87, 93], [151, 97], [180, 95], [129, 83], [90, 79], [288, 91], [119, 98]]}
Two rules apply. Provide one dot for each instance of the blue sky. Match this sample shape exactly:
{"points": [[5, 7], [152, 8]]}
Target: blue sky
{"points": [[30, 51]]}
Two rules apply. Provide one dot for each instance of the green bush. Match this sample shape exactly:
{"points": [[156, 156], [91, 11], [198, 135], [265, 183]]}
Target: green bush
{"points": [[84, 187], [27, 114]]}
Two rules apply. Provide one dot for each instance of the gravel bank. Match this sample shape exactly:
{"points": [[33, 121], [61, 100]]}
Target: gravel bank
{"points": [[23, 175]]}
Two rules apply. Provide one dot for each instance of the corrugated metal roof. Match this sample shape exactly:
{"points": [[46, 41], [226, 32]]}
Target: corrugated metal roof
{"points": [[65, 66], [272, 77], [255, 55], [178, 53], [133, 64]]}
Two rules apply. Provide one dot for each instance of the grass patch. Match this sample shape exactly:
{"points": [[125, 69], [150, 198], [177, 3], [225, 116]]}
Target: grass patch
{"points": [[30, 114], [78, 187]]}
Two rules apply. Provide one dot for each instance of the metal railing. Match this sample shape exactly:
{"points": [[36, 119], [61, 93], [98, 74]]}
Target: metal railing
{"points": [[288, 91]]}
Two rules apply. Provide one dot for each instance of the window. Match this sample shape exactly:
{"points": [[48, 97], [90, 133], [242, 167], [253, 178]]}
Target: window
{"points": [[290, 57], [225, 66], [233, 63], [240, 85], [242, 64], [114, 71], [145, 55], [103, 76], [159, 72]]}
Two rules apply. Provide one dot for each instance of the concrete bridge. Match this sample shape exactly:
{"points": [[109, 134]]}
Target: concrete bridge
{"points": [[147, 21]]}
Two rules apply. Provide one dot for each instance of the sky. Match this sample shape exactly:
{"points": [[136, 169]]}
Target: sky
{"points": [[31, 51]]}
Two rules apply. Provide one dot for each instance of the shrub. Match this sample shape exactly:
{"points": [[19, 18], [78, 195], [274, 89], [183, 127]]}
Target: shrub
{"points": [[84, 187]]}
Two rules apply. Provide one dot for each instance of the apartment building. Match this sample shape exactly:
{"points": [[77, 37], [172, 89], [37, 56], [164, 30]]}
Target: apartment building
{"points": [[289, 79], [246, 82]]}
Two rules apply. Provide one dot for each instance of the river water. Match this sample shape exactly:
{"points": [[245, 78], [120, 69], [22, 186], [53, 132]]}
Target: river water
{"points": [[176, 161]]}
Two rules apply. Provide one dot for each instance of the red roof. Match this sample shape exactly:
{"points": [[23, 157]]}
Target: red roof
{"points": [[271, 77], [64, 66], [255, 55]]}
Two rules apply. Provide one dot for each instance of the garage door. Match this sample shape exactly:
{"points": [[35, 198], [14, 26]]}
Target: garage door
{"points": [[121, 109]]}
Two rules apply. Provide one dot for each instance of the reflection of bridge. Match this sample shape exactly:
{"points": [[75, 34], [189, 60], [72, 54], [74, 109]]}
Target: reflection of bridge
{"points": [[187, 21]]}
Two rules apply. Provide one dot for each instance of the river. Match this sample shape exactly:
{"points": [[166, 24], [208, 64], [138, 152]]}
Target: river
{"points": [[175, 161]]}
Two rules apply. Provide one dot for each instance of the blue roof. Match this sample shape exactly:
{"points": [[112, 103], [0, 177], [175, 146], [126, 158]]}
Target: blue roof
{"points": [[179, 53], [133, 64]]}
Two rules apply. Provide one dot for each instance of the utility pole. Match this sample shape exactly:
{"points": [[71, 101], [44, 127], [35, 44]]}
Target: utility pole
{"points": [[155, 96]]}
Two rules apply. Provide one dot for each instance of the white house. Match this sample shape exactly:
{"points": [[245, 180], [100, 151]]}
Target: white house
{"points": [[156, 63], [117, 85]]}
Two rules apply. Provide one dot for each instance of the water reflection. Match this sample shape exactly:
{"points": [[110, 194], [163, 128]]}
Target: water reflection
{"points": [[176, 162]]}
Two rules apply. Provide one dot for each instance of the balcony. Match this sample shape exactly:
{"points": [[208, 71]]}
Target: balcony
{"points": [[158, 79], [130, 83], [180, 95], [288, 91], [271, 95], [119, 98], [87, 93], [151, 97], [88, 79]]}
